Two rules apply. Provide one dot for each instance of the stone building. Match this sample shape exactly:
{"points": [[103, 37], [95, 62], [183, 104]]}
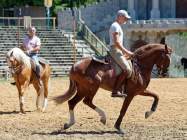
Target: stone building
{"points": [[153, 21]]}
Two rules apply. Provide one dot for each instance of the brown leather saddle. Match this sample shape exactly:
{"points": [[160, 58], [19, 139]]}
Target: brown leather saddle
{"points": [[108, 60], [116, 70], [42, 63]]}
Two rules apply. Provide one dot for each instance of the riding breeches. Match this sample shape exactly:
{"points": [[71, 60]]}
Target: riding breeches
{"points": [[120, 59]]}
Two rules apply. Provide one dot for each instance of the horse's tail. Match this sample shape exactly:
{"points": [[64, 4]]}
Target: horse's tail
{"points": [[68, 94]]}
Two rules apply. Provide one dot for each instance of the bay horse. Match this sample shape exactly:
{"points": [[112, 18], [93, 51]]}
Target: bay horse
{"points": [[21, 69], [87, 75]]}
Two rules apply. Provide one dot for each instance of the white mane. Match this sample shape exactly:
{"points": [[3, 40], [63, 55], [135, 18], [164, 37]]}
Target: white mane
{"points": [[20, 56]]}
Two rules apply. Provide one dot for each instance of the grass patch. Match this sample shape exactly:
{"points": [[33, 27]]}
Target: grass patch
{"points": [[183, 34]]}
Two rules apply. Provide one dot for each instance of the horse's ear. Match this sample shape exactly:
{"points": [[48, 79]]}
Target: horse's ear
{"points": [[11, 54], [166, 48]]}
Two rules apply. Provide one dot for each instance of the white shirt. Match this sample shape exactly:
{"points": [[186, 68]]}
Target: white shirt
{"points": [[30, 43], [115, 27]]}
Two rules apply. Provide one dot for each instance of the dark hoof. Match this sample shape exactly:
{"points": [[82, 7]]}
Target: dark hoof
{"points": [[119, 95], [66, 126], [23, 112], [119, 130], [103, 121], [148, 113]]}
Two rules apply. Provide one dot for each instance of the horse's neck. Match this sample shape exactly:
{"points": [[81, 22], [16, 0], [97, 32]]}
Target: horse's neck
{"points": [[145, 70]]}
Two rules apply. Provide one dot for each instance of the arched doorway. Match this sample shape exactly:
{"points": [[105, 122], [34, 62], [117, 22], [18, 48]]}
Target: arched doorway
{"points": [[181, 6], [143, 8]]}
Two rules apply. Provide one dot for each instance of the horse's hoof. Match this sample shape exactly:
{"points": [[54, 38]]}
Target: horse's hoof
{"points": [[23, 112], [39, 109], [103, 121], [43, 110], [66, 126], [148, 113], [119, 130]]}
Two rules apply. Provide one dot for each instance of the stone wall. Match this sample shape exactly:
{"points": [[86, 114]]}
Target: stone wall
{"points": [[179, 46], [96, 16]]}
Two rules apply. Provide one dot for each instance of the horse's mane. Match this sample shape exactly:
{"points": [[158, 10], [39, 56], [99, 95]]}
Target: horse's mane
{"points": [[20, 56], [147, 50]]}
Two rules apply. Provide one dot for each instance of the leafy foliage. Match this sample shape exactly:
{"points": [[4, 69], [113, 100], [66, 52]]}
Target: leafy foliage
{"points": [[57, 4], [183, 34], [12, 3]]}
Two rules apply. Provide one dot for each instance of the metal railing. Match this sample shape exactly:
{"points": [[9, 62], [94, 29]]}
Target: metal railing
{"points": [[26, 21], [4, 73], [97, 45], [158, 24]]}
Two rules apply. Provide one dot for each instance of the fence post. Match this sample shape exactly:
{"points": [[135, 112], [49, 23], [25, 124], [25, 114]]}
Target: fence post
{"points": [[54, 23]]}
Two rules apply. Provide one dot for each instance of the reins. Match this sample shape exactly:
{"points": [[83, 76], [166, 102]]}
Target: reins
{"points": [[134, 60], [16, 69]]}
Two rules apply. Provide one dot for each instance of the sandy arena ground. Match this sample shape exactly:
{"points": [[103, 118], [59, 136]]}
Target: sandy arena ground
{"points": [[168, 122]]}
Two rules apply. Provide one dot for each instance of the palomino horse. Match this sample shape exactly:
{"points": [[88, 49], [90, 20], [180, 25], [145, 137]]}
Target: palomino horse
{"points": [[20, 66], [87, 75]]}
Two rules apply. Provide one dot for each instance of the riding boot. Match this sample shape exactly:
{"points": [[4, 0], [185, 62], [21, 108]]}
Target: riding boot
{"points": [[119, 81], [13, 83], [38, 75]]}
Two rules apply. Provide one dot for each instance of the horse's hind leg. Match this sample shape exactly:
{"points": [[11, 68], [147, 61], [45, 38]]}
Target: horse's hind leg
{"points": [[37, 88], [72, 103], [88, 101], [155, 102]]}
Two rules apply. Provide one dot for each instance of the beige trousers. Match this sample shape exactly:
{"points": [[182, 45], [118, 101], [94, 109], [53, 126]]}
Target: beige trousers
{"points": [[120, 59]]}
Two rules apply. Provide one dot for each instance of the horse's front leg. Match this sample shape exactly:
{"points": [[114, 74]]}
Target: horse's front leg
{"points": [[21, 90], [124, 108], [155, 102], [21, 102]]}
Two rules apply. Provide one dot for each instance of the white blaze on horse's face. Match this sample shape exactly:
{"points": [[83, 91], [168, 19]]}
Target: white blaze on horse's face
{"points": [[12, 59]]}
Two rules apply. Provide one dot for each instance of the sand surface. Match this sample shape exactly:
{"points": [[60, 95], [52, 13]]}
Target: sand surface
{"points": [[168, 122]]}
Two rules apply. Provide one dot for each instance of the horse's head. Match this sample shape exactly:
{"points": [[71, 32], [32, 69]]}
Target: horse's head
{"points": [[153, 54], [16, 58], [163, 61], [11, 60]]}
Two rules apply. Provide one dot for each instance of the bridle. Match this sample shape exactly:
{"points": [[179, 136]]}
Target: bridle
{"points": [[161, 70], [14, 68], [135, 61]]}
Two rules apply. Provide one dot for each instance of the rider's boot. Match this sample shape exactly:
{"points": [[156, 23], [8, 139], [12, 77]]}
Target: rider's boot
{"points": [[13, 83], [38, 75], [118, 83]]}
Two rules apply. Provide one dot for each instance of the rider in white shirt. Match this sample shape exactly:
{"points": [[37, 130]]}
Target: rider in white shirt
{"points": [[118, 52], [31, 45]]}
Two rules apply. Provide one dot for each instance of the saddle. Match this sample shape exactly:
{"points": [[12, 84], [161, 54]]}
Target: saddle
{"points": [[115, 70], [108, 60], [42, 63]]}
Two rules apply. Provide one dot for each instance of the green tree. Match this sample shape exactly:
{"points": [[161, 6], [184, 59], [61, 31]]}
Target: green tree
{"points": [[57, 4], [12, 3]]}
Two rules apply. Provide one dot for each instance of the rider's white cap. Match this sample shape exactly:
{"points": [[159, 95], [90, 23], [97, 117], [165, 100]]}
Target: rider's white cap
{"points": [[123, 13]]}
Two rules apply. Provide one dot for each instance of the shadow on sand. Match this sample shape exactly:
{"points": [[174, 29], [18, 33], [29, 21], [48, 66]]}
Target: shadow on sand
{"points": [[11, 112], [63, 132]]}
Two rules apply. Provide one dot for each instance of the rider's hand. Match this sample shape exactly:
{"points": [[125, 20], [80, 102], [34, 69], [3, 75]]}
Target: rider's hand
{"points": [[28, 52], [129, 55]]}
